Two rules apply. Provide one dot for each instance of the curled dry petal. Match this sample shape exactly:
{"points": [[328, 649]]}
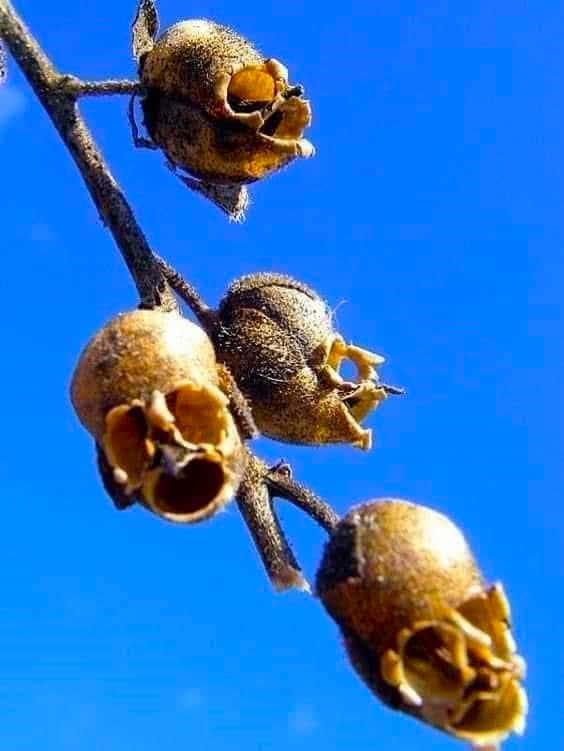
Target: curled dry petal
{"points": [[419, 625]]}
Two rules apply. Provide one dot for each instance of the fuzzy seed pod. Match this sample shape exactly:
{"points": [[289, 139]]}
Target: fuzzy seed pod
{"points": [[276, 336], [419, 625], [147, 388], [218, 108]]}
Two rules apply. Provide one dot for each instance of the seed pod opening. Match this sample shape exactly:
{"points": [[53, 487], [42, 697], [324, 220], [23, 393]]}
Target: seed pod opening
{"points": [[147, 388], [419, 624], [218, 108], [277, 338]]}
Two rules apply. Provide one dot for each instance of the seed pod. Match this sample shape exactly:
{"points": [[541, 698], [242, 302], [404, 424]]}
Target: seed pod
{"points": [[419, 625], [218, 108], [276, 336], [146, 387]]}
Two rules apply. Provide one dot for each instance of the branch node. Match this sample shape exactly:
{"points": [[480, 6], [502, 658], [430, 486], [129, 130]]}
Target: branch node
{"points": [[255, 505], [282, 485]]}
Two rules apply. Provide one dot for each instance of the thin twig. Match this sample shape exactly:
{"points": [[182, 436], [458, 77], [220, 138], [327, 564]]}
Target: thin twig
{"points": [[75, 87], [206, 316], [281, 485], [106, 194], [255, 505], [239, 406]]}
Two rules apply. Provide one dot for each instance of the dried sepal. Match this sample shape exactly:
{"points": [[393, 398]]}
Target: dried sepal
{"points": [[115, 490], [419, 624], [276, 336], [219, 109], [147, 388], [233, 200], [144, 29]]}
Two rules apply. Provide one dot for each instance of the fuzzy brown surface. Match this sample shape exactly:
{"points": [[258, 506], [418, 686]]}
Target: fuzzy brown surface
{"points": [[133, 355], [189, 56], [392, 563]]}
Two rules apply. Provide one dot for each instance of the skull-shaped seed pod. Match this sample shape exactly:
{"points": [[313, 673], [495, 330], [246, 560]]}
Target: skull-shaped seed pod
{"points": [[147, 388], [419, 624], [217, 107], [276, 337]]}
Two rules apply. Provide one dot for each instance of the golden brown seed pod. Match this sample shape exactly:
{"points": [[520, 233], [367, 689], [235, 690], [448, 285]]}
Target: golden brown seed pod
{"points": [[276, 336], [420, 627], [226, 155], [146, 387], [218, 108]]}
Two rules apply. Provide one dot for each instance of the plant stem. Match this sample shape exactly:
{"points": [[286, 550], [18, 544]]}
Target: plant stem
{"points": [[255, 505], [60, 105], [75, 87]]}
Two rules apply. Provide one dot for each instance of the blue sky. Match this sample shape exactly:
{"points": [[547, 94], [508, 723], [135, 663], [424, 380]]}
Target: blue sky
{"points": [[431, 218]]}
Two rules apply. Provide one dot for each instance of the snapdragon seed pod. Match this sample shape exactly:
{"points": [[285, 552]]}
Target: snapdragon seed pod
{"points": [[218, 108], [147, 388], [276, 336], [419, 624]]}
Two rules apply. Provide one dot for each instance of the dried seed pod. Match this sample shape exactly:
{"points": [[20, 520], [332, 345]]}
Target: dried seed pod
{"points": [[276, 336], [218, 108], [147, 388], [420, 627]]}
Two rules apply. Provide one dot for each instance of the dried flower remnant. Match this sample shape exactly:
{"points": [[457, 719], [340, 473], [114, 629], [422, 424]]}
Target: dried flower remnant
{"points": [[419, 625], [147, 388], [217, 108], [276, 336]]}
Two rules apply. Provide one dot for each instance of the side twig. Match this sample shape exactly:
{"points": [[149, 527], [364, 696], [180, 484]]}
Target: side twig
{"points": [[206, 316], [282, 485], [110, 201], [75, 87]]}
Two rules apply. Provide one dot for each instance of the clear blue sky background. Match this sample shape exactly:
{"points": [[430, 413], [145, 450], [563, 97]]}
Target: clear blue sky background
{"points": [[432, 218]]}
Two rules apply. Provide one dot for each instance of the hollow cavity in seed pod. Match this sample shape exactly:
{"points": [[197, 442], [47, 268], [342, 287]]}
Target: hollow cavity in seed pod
{"points": [[198, 484], [251, 89], [200, 414], [175, 451]]}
